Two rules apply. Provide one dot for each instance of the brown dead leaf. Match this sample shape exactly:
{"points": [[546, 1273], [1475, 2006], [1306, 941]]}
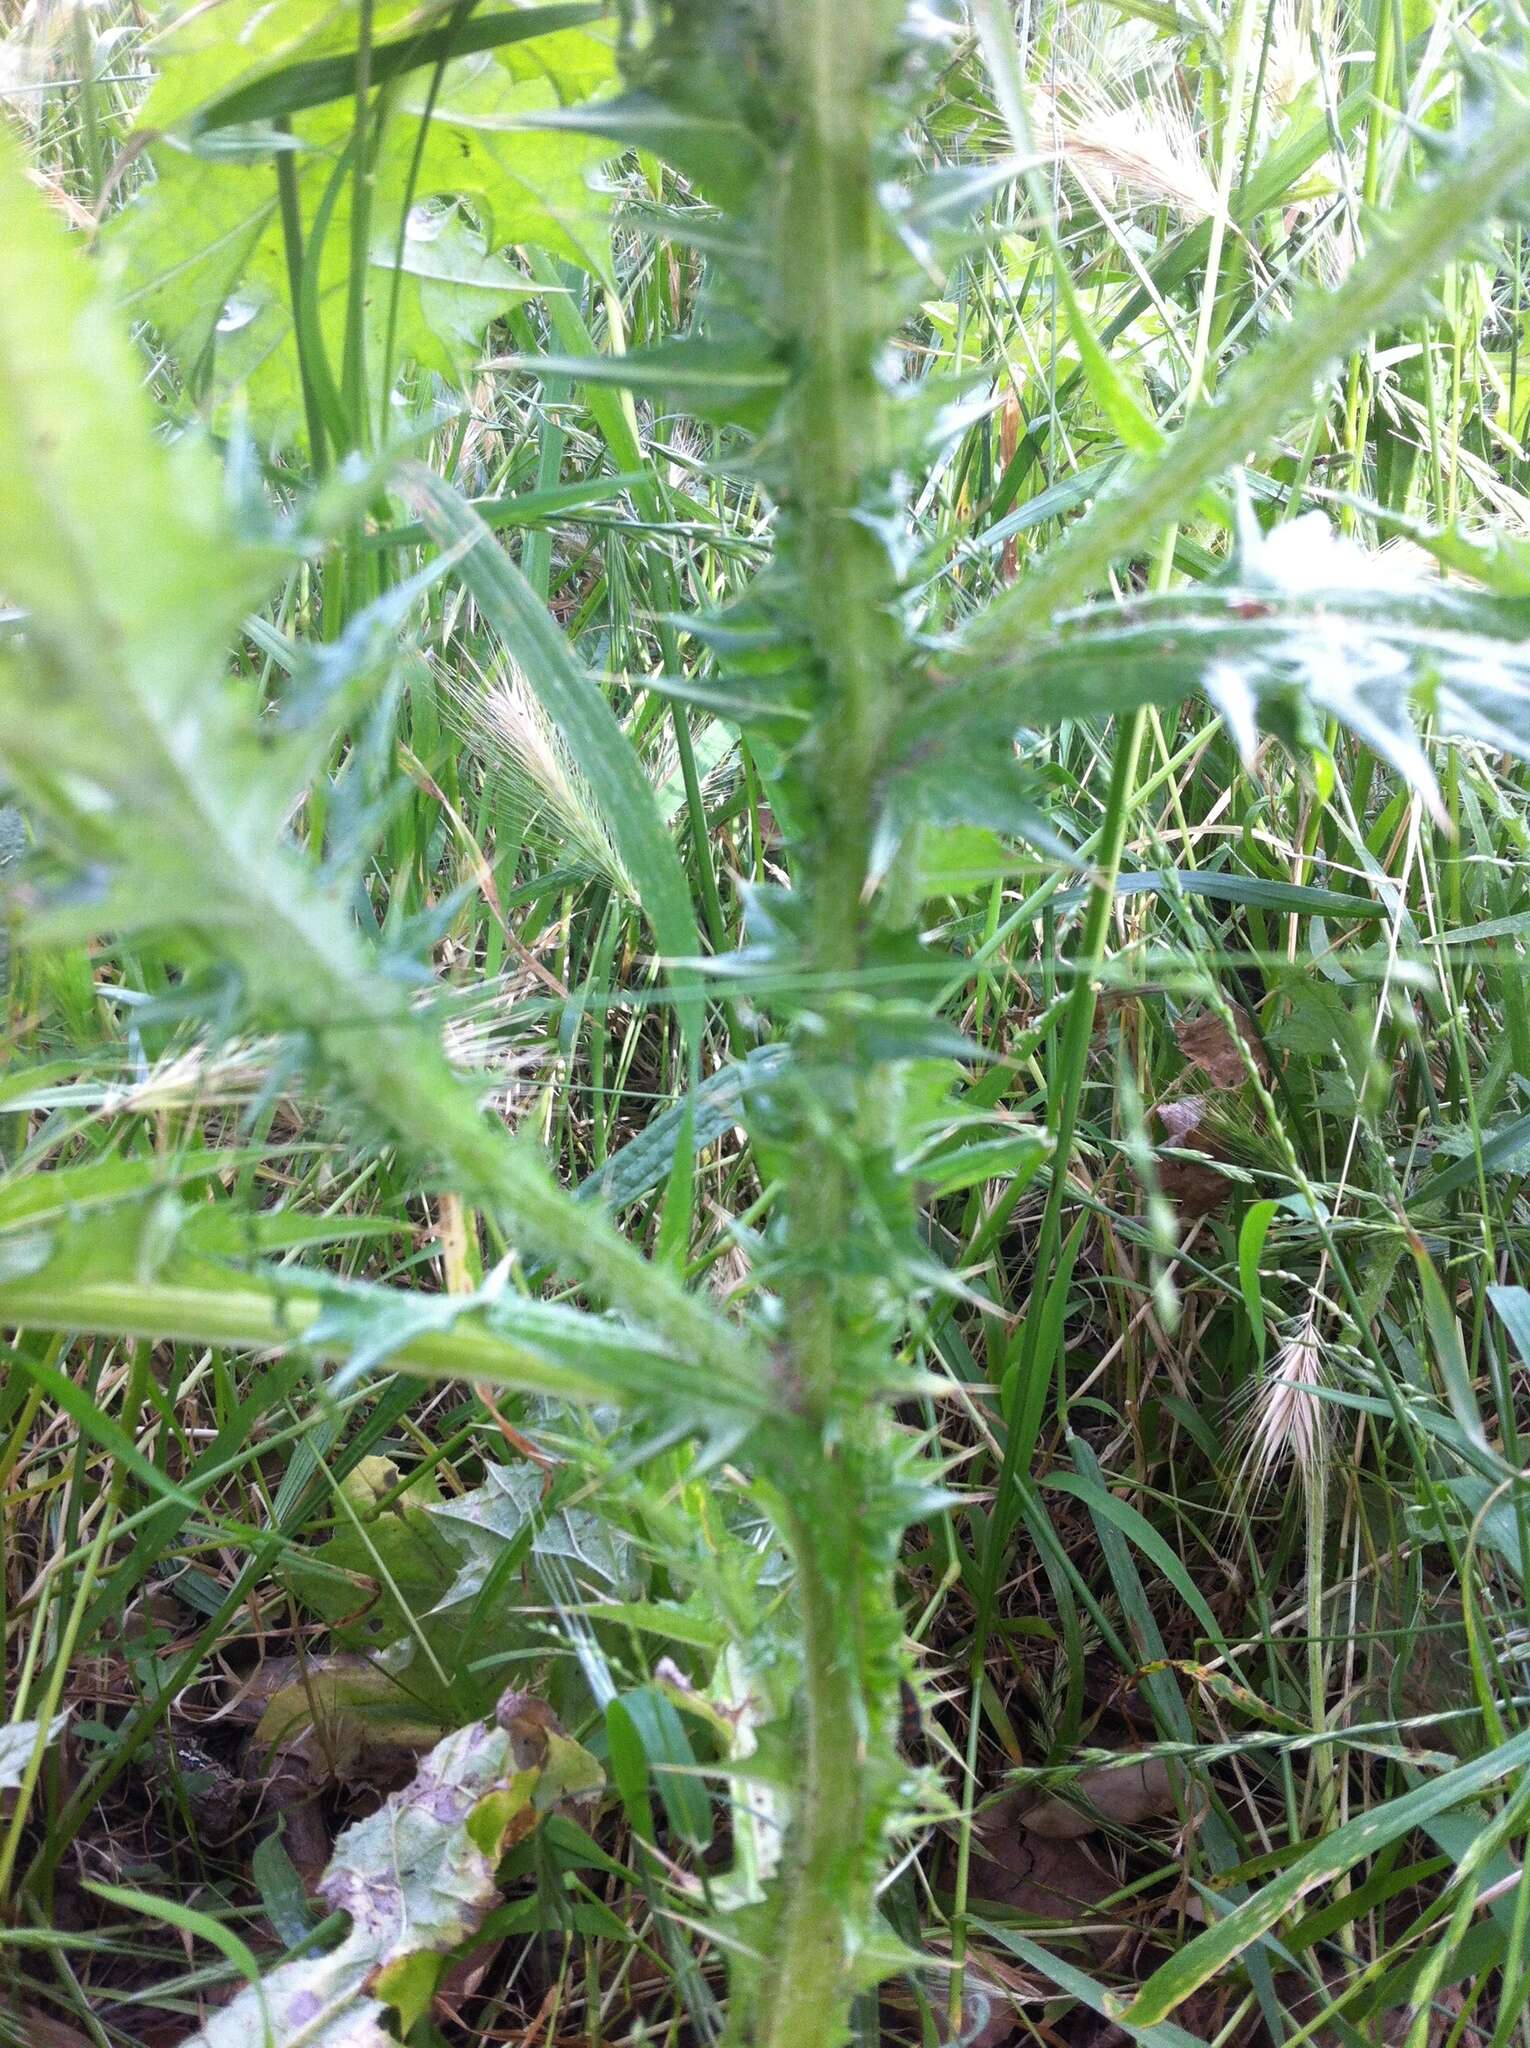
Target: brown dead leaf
{"points": [[1038, 1878], [1193, 1186], [42, 2032], [1182, 1116], [1208, 1044], [1122, 1795], [1009, 442]]}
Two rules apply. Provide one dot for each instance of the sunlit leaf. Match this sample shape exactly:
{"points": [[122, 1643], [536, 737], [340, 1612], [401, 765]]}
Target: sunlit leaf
{"points": [[203, 253]]}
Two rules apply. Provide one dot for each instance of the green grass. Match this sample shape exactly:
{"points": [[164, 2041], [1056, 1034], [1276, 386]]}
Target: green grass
{"points": [[464, 1225]]}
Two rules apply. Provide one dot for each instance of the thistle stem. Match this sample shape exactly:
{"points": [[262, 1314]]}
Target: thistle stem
{"points": [[836, 436]]}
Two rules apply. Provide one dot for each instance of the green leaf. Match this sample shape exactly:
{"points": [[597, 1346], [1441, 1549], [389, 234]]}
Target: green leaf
{"points": [[1140, 1531], [509, 1506], [1303, 618], [1251, 1237], [293, 88], [373, 1577], [719, 1103], [1272, 381], [90, 1276], [177, 791], [202, 248], [1505, 1150], [668, 1751], [20, 1742], [189, 1921], [1088, 1990]]}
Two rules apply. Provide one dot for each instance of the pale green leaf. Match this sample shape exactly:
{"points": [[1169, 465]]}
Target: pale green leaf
{"points": [[117, 722], [202, 249]]}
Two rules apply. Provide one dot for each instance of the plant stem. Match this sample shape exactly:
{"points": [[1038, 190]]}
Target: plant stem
{"points": [[836, 441]]}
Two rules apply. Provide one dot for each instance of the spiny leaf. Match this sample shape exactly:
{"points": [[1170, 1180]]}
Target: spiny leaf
{"points": [[1270, 383], [125, 1273], [1304, 617], [169, 783], [509, 1504], [269, 95]]}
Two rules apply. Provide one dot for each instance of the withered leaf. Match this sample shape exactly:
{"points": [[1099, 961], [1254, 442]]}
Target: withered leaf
{"points": [[1208, 1044], [1194, 1186], [417, 1879], [1182, 1116], [1123, 1794]]}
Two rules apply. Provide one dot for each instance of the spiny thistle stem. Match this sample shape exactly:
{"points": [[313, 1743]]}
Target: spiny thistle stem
{"points": [[830, 239]]}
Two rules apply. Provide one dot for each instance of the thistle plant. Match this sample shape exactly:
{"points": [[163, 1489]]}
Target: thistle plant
{"points": [[177, 814]]}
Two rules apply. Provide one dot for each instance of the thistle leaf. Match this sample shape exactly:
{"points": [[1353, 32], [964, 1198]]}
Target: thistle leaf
{"points": [[172, 787], [202, 247], [416, 1878]]}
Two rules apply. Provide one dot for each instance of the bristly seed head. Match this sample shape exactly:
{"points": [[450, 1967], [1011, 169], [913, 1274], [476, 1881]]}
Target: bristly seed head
{"points": [[1286, 1419]]}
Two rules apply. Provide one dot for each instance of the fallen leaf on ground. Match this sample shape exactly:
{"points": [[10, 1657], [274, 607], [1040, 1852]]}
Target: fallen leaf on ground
{"points": [[1122, 1795], [1206, 1042], [1194, 1186], [416, 1878], [1179, 1118], [18, 1741]]}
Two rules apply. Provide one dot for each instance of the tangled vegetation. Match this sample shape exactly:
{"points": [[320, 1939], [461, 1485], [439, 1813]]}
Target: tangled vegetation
{"points": [[766, 1073]]}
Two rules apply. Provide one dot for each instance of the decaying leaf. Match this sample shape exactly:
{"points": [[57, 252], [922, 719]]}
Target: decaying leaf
{"points": [[336, 1712], [18, 1741], [1194, 1186], [1041, 1879], [1207, 1043], [1122, 1795], [1179, 1118], [43, 2032], [417, 1879]]}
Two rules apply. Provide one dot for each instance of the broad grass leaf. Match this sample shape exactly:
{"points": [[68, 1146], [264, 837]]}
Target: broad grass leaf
{"points": [[1089, 1991], [716, 1106], [1104, 1506], [1367, 1835], [667, 1747], [1504, 1150]]}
